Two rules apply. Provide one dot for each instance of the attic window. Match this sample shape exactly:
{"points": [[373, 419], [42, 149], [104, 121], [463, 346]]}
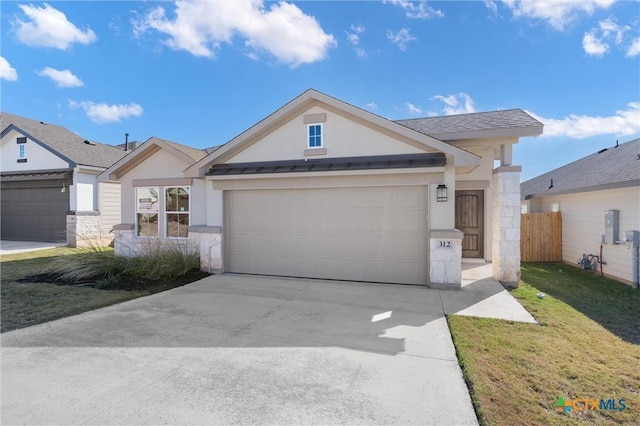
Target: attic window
{"points": [[22, 153], [22, 139], [315, 135]]}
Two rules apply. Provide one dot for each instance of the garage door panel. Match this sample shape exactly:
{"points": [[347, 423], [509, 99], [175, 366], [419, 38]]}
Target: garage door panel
{"points": [[34, 213], [361, 234]]}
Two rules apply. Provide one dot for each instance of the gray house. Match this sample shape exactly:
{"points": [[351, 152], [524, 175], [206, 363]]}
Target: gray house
{"points": [[50, 190], [607, 180]]}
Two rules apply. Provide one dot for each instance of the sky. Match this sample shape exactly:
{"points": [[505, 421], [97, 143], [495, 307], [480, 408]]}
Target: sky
{"points": [[200, 72]]}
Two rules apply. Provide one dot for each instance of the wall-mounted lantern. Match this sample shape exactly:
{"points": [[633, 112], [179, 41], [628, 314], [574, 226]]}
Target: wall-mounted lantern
{"points": [[441, 193]]}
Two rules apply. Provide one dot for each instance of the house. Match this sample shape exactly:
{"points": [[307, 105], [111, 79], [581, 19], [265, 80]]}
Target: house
{"points": [[323, 189], [50, 190], [584, 191]]}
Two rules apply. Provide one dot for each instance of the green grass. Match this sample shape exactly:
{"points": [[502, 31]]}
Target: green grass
{"points": [[586, 346], [24, 304]]}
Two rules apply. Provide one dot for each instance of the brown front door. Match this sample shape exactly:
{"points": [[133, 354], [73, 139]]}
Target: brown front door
{"points": [[470, 220]]}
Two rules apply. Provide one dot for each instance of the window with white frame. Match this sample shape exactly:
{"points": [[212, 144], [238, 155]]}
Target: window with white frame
{"points": [[22, 149], [177, 211], [147, 212], [315, 135]]}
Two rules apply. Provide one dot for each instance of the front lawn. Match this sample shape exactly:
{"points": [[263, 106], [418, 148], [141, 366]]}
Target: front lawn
{"points": [[586, 346], [28, 303]]}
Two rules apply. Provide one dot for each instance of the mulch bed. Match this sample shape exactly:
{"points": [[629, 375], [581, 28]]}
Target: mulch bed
{"points": [[124, 283]]}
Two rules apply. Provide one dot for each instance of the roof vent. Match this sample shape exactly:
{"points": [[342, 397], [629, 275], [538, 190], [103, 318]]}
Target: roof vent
{"points": [[602, 150], [89, 143], [42, 122]]}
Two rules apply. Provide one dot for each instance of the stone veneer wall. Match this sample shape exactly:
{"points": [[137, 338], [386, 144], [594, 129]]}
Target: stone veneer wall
{"points": [[445, 259], [506, 225], [127, 244], [208, 240], [84, 229]]}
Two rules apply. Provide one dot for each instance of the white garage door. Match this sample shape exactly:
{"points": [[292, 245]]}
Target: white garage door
{"points": [[357, 234]]}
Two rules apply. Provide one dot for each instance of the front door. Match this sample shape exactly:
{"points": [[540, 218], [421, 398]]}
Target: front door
{"points": [[470, 220]]}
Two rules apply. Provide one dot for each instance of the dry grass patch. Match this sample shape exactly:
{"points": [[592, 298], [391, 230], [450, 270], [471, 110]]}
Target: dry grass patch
{"points": [[45, 285], [586, 346]]}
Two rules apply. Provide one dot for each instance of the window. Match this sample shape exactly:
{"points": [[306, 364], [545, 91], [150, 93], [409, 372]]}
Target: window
{"points": [[315, 135], [22, 149], [147, 212], [177, 211]]}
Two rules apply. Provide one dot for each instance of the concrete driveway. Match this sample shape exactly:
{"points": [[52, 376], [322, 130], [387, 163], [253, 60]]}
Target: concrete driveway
{"points": [[245, 350]]}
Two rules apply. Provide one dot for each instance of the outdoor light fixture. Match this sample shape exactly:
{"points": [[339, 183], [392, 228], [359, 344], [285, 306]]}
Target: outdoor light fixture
{"points": [[441, 193], [63, 189]]}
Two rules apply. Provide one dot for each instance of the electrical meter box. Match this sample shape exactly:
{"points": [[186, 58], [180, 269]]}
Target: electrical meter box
{"points": [[611, 218]]}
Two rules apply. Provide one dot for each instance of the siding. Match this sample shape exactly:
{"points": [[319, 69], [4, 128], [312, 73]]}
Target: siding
{"points": [[109, 207], [583, 225]]}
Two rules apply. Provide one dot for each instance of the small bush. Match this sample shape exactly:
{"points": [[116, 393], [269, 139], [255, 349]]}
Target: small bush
{"points": [[159, 261]]}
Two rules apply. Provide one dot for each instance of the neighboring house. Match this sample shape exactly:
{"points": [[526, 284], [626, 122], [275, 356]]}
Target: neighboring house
{"points": [[608, 180], [323, 189], [50, 190]]}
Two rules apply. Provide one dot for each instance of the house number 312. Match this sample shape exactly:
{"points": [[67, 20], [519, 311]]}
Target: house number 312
{"points": [[445, 244]]}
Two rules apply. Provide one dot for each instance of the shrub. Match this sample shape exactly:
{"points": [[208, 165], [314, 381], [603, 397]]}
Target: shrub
{"points": [[159, 261]]}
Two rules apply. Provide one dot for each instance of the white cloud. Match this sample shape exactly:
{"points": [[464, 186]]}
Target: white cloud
{"points": [[103, 113], [401, 38], [634, 49], [48, 27], [62, 78], [7, 72], [460, 103], [372, 105], [413, 109], [557, 13], [200, 27], [353, 36], [417, 10], [492, 6], [593, 45], [623, 123], [596, 41]]}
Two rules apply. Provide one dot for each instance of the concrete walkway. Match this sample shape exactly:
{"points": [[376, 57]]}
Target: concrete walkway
{"points": [[13, 247], [249, 350]]}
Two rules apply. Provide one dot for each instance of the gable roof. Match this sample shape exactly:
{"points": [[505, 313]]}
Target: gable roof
{"points": [[615, 167], [188, 154], [489, 124], [62, 142], [312, 97]]}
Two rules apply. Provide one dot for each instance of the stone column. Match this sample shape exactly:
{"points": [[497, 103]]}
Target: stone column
{"points": [[445, 259], [210, 247], [506, 225], [125, 244]]}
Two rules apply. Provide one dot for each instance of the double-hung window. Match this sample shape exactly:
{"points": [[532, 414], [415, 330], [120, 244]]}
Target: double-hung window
{"points": [[177, 211], [163, 211], [315, 135], [147, 212]]}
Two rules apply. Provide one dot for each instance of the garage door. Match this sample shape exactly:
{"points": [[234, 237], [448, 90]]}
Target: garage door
{"points": [[357, 234], [34, 213]]}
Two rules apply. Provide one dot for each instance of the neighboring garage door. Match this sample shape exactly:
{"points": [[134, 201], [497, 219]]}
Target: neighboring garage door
{"points": [[34, 213], [358, 234]]}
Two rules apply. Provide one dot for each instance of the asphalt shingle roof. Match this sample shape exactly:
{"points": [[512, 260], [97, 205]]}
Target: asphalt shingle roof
{"points": [[65, 142], [614, 165], [441, 126]]}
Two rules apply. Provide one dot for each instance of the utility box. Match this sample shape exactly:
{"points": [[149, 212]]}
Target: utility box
{"points": [[611, 219]]}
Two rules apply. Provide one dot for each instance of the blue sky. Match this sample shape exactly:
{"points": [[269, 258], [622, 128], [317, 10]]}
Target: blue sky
{"points": [[201, 72]]}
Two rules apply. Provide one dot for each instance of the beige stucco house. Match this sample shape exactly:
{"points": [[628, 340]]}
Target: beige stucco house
{"points": [[599, 199], [323, 189]]}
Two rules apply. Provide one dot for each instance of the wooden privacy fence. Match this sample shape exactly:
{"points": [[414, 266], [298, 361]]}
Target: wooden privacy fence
{"points": [[541, 237]]}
